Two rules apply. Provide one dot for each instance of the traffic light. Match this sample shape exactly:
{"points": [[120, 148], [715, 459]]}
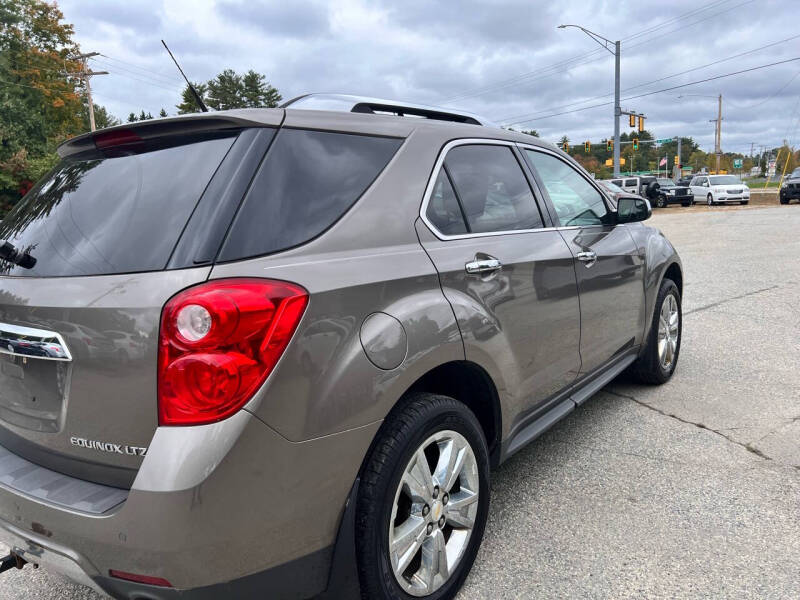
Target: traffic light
{"points": [[635, 143], [676, 159], [565, 147], [609, 145], [641, 123], [587, 146], [632, 120]]}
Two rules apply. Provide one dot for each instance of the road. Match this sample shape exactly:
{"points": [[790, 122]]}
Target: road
{"points": [[689, 490]]}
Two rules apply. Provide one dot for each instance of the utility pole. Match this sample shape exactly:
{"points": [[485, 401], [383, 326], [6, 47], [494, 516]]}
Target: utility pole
{"points": [[718, 133], [86, 74], [617, 108], [608, 44], [678, 166]]}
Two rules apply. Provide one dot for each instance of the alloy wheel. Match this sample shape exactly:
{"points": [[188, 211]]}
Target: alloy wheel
{"points": [[710, 200], [434, 512], [668, 331]]}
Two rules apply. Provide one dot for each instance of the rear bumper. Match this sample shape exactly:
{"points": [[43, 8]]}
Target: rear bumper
{"points": [[221, 510]]}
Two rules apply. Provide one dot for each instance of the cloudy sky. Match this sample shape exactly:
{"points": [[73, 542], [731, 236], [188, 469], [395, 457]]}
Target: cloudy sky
{"points": [[504, 59]]}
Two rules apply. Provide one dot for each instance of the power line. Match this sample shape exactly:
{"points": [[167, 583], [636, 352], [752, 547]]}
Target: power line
{"points": [[149, 72], [770, 97], [560, 67], [157, 80], [716, 62], [675, 87]]}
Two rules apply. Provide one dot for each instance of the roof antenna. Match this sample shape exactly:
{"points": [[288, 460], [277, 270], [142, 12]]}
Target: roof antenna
{"points": [[197, 97]]}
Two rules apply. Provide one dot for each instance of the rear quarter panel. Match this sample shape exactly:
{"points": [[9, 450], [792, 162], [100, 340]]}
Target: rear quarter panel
{"points": [[370, 261]]}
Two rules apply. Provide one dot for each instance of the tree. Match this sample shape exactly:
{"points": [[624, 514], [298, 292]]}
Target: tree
{"points": [[532, 132], [39, 107], [188, 103], [257, 92], [231, 90], [162, 113]]}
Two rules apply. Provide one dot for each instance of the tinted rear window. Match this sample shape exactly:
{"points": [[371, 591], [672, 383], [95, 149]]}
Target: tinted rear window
{"points": [[97, 214], [308, 180]]}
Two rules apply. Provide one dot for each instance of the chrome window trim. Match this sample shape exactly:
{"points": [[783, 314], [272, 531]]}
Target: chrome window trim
{"points": [[30, 332], [432, 183]]}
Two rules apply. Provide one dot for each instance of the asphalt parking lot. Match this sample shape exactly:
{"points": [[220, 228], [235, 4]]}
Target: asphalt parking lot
{"points": [[689, 490]]}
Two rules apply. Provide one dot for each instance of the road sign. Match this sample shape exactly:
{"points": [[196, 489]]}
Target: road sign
{"points": [[664, 141], [737, 163]]}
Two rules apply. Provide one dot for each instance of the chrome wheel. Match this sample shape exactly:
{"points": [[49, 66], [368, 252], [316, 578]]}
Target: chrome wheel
{"points": [[710, 200], [668, 331], [434, 513]]}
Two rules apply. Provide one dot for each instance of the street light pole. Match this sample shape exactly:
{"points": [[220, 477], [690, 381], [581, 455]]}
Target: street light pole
{"points": [[617, 108], [608, 44]]}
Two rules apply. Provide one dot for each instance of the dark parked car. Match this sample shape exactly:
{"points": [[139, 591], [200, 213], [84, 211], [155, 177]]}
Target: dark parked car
{"points": [[665, 192], [346, 318], [790, 188], [684, 181]]}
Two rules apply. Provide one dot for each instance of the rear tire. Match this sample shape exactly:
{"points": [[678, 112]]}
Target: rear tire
{"points": [[657, 362], [405, 485]]}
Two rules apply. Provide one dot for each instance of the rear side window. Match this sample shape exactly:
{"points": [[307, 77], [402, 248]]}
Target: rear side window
{"points": [[99, 214], [443, 212], [307, 181], [494, 193], [631, 182]]}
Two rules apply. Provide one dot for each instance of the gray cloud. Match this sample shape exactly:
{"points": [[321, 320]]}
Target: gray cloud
{"points": [[492, 57]]}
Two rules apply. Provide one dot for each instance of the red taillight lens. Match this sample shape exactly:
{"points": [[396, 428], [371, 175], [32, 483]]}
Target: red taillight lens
{"points": [[219, 341], [146, 579], [116, 137]]}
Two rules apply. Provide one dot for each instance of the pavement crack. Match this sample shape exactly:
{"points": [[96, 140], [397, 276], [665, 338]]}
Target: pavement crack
{"points": [[731, 299], [747, 446]]}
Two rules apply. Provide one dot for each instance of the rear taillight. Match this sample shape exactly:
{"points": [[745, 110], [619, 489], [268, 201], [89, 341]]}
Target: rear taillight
{"points": [[219, 341]]}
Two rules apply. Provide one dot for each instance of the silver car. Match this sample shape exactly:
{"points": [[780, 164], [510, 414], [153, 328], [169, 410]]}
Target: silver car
{"points": [[335, 323]]}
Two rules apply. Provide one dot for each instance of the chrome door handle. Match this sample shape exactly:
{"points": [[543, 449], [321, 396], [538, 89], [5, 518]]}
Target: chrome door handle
{"points": [[486, 265], [588, 257]]}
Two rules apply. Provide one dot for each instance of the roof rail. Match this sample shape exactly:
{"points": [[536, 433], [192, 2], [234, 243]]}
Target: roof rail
{"points": [[362, 104]]}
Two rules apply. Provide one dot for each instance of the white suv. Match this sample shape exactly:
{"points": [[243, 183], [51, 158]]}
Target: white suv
{"points": [[716, 189]]}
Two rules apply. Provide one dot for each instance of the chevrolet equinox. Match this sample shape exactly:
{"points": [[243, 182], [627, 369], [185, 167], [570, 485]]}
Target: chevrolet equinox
{"points": [[275, 353]]}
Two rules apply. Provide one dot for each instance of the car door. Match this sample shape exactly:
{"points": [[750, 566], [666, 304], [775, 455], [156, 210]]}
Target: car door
{"points": [[699, 188], [608, 264], [632, 185], [510, 279]]}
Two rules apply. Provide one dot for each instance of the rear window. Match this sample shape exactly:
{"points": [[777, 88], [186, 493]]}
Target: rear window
{"points": [[100, 214], [308, 180]]}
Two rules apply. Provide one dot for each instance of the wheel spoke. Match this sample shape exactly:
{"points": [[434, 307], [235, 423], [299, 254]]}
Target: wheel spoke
{"points": [[418, 478], [458, 509], [451, 461], [434, 561], [406, 541]]}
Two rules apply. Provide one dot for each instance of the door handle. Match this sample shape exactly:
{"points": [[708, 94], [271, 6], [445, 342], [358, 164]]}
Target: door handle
{"points": [[486, 265], [587, 257]]}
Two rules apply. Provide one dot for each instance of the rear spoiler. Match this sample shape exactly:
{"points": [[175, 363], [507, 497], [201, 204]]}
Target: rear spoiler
{"points": [[180, 125]]}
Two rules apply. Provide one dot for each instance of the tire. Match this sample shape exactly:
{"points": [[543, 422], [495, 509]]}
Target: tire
{"points": [[383, 500], [743, 202], [784, 201], [685, 204], [649, 367], [661, 202], [710, 200]]}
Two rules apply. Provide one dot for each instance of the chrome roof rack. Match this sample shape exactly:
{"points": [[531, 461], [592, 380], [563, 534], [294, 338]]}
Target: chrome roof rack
{"points": [[363, 104]]}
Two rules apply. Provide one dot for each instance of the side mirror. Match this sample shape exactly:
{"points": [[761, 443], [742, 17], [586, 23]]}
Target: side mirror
{"points": [[631, 210]]}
